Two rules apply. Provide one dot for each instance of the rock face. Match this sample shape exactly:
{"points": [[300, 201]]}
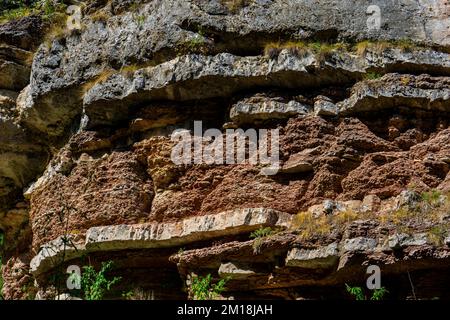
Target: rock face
{"points": [[22, 156], [360, 119], [156, 235], [395, 90], [325, 257], [112, 189]]}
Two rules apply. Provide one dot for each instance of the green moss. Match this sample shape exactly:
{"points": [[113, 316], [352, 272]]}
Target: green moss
{"points": [[372, 76], [303, 48], [22, 8], [13, 14]]}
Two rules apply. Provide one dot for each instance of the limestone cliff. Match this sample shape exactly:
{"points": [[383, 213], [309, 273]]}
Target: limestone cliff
{"points": [[363, 115]]}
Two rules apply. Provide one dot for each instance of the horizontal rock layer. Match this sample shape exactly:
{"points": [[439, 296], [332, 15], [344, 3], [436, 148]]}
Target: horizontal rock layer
{"points": [[129, 237], [363, 116]]}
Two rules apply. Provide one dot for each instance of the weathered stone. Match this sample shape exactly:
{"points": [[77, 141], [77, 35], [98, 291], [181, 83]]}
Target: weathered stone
{"points": [[371, 203], [188, 230], [323, 106], [66, 296], [112, 189], [235, 272], [384, 173], [260, 108], [403, 240], [17, 55], [103, 101], [17, 281], [330, 206], [14, 225], [353, 206], [392, 90], [13, 76], [359, 244], [367, 228], [184, 78], [61, 164], [55, 252], [7, 99], [25, 33], [21, 157], [321, 258], [408, 198], [300, 162], [157, 235]]}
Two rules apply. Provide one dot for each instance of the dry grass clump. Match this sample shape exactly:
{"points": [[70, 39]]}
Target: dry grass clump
{"points": [[437, 234], [300, 49], [309, 226], [100, 16], [104, 76], [429, 209], [428, 212], [345, 217], [236, 5], [322, 50], [361, 48]]}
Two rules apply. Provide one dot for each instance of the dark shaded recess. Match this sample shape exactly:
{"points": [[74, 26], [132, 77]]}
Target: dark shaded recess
{"points": [[429, 278], [147, 269], [426, 122], [287, 84]]}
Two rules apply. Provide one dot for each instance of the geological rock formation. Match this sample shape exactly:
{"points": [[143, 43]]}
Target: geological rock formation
{"points": [[87, 173]]}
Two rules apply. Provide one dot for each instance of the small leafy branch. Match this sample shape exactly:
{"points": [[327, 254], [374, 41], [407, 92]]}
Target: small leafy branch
{"points": [[372, 76], [259, 236], [358, 293], [261, 233], [96, 284], [379, 294], [202, 288]]}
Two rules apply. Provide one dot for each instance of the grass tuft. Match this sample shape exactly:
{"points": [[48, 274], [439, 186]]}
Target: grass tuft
{"points": [[235, 5], [310, 226]]}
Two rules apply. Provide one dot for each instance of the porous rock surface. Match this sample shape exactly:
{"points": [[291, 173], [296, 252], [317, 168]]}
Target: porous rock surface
{"points": [[86, 168]]}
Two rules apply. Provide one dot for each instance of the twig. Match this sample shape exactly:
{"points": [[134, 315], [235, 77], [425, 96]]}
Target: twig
{"points": [[412, 285]]}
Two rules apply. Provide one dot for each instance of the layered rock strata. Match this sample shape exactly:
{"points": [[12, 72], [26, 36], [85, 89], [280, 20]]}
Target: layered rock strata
{"points": [[86, 167]]}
